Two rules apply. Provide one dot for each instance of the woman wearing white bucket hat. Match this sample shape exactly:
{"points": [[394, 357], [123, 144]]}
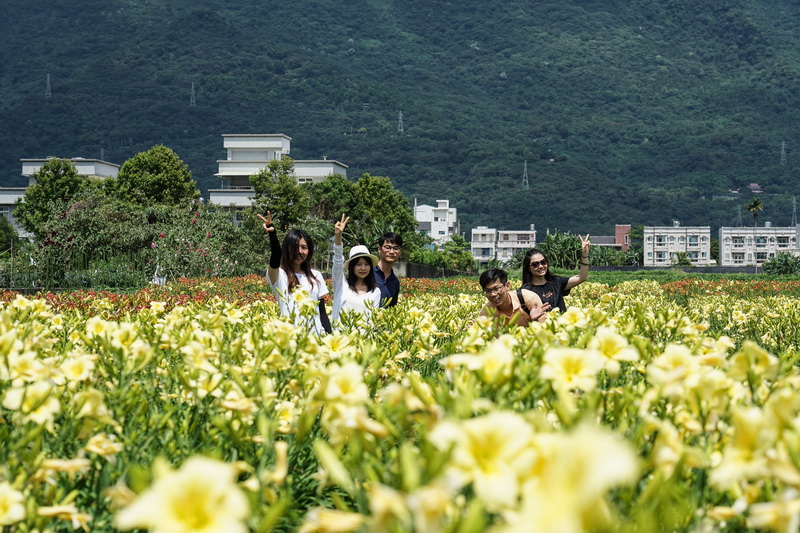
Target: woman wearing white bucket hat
{"points": [[354, 285]]}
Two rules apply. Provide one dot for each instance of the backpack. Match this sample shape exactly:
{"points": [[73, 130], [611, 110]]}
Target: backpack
{"points": [[522, 304]]}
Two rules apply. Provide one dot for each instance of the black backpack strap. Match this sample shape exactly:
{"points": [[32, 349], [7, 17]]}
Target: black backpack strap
{"points": [[522, 304]]}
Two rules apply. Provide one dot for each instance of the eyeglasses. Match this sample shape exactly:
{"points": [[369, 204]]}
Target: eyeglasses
{"points": [[536, 264], [390, 248], [493, 290]]}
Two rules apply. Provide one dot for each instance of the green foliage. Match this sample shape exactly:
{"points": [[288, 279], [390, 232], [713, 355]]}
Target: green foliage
{"points": [[681, 259], [454, 255], [97, 233], [644, 111], [57, 181], [8, 235], [277, 191], [782, 264], [754, 208], [563, 250], [155, 177]]}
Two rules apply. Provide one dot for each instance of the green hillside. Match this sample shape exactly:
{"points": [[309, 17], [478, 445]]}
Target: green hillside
{"points": [[627, 111]]}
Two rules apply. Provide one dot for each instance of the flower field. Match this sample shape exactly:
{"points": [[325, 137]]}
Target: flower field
{"points": [[194, 407]]}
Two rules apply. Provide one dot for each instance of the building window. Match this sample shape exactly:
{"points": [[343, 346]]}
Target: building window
{"points": [[738, 242], [738, 258], [761, 256], [693, 239], [505, 236], [783, 242], [761, 241], [5, 212], [523, 237]]}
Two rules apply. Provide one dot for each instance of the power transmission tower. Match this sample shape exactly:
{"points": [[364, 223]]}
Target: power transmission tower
{"points": [[794, 211], [739, 217], [47, 92], [400, 122], [783, 153], [192, 100], [102, 154], [525, 182]]}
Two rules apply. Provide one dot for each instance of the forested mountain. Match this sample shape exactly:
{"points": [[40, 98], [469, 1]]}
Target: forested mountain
{"points": [[627, 111]]}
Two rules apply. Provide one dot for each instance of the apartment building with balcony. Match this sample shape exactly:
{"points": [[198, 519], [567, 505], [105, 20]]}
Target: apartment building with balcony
{"points": [[662, 244], [248, 154], [489, 243], [743, 246]]}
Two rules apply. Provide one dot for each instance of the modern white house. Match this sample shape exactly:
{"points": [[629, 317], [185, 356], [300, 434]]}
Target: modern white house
{"points": [[248, 154], [489, 243], [439, 222], [91, 168], [741, 246], [662, 243]]}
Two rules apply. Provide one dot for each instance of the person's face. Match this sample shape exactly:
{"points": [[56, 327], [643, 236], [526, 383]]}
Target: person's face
{"points": [[496, 292], [538, 265], [302, 252], [390, 252], [362, 268]]}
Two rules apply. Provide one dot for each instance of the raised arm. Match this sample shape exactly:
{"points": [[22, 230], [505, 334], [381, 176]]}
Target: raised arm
{"points": [[275, 248], [583, 272], [337, 277]]}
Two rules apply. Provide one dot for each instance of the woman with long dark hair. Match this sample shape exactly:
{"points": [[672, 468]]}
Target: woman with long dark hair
{"points": [[536, 276], [354, 285], [289, 270]]}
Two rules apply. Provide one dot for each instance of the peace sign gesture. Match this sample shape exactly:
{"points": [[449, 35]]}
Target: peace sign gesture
{"points": [[267, 222], [338, 229], [585, 243]]}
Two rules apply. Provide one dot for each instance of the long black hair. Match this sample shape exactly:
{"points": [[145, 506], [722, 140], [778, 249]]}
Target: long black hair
{"points": [[527, 277], [290, 252], [352, 279]]}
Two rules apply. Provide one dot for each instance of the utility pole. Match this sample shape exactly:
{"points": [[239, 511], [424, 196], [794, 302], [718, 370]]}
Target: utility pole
{"points": [[47, 92], [192, 100], [525, 182], [783, 153], [400, 122]]}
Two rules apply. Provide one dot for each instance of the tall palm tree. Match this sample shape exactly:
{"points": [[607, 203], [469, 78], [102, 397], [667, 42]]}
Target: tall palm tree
{"points": [[754, 207]]}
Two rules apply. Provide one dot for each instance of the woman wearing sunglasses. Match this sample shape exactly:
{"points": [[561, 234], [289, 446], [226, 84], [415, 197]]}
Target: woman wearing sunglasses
{"points": [[536, 276]]}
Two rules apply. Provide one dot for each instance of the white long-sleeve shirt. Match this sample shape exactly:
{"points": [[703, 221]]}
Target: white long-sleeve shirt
{"points": [[343, 296]]}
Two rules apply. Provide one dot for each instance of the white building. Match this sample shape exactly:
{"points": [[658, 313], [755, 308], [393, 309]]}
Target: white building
{"points": [[489, 243], [249, 154], [662, 243], [91, 168], [484, 244], [439, 222], [741, 246]]}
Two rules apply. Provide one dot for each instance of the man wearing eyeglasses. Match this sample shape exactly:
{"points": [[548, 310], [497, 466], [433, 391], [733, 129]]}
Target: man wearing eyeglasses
{"points": [[390, 246], [522, 305]]}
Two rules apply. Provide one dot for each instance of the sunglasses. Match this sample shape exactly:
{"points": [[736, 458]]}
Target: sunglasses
{"points": [[536, 264]]}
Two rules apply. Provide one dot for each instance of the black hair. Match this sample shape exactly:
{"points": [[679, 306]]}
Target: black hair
{"points": [[492, 274], [352, 279], [392, 238], [290, 252], [527, 277]]}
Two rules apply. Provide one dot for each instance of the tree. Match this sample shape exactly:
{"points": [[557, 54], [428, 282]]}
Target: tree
{"points": [[277, 191], [782, 264], [8, 235], [155, 177], [57, 181], [378, 207], [331, 197], [754, 207]]}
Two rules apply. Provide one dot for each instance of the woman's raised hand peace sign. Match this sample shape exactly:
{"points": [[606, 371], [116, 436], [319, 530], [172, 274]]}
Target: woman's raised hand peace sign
{"points": [[338, 227], [267, 222]]}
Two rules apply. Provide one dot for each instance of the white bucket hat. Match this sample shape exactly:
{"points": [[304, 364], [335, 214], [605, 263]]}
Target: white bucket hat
{"points": [[359, 251]]}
